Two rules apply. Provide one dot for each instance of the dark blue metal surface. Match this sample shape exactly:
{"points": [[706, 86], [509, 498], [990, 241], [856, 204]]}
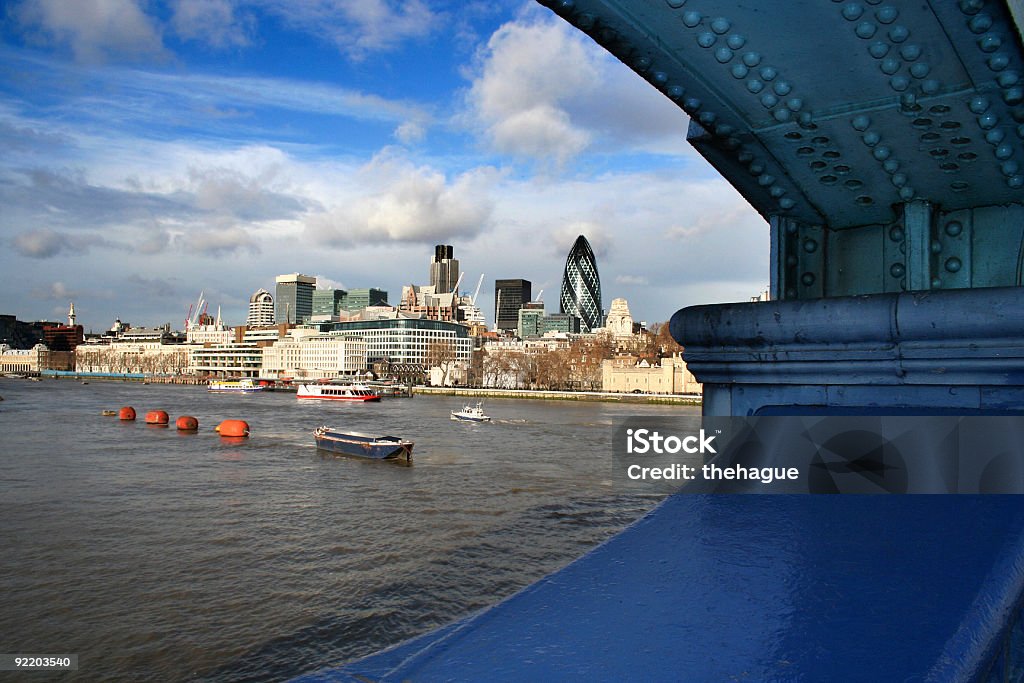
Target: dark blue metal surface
{"points": [[759, 588]]}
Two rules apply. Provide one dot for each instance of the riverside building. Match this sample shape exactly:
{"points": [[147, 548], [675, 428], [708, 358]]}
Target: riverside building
{"points": [[294, 298]]}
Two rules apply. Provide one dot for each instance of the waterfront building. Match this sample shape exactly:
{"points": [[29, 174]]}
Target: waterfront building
{"points": [[313, 356], [509, 297], [328, 303], [630, 375], [64, 337], [215, 333], [425, 302], [581, 286], [227, 360], [293, 298], [120, 355], [358, 299], [29, 361], [444, 269], [406, 341], [261, 309]]}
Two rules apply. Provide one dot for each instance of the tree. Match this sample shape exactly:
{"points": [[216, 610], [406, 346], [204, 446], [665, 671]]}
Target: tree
{"points": [[441, 354], [663, 338]]}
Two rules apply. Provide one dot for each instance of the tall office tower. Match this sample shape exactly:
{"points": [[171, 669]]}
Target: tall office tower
{"points": [[509, 297], [358, 299], [328, 302], [444, 270], [294, 298], [261, 309], [581, 286]]}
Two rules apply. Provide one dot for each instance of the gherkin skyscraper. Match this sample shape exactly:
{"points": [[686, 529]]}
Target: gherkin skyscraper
{"points": [[581, 286]]}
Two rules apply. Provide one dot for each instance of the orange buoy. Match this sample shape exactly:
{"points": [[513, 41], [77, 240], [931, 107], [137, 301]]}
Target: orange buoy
{"points": [[127, 413], [156, 417], [233, 428], [187, 423]]}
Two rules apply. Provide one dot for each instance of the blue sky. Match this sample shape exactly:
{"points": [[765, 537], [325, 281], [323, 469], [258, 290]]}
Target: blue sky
{"points": [[153, 150]]}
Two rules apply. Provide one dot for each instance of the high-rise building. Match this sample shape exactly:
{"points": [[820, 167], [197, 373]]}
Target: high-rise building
{"points": [[329, 302], [294, 298], [261, 309], [581, 286], [509, 297], [358, 299], [444, 269]]}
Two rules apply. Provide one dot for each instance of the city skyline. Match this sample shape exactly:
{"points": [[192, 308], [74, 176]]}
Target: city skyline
{"points": [[171, 152]]}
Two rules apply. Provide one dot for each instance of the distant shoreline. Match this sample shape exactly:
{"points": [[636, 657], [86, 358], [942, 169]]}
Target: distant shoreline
{"points": [[609, 397]]}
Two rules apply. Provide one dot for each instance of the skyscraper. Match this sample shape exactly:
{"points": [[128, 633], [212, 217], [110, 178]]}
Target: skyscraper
{"points": [[294, 298], [509, 297], [444, 270], [261, 309], [581, 286]]}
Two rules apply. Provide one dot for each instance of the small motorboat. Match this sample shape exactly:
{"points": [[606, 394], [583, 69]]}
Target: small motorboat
{"points": [[471, 414], [378, 447]]}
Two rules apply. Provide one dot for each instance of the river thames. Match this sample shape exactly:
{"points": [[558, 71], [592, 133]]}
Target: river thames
{"points": [[153, 554]]}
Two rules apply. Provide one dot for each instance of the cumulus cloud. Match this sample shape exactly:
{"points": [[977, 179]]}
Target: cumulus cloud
{"points": [[46, 243], [94, 30], [410, 132], [217, 241], [562, 237], [397, 201], [55, 291]]}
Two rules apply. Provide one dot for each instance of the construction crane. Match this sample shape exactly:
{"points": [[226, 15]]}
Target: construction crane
{"points": [[458, 282], [540, 296], [477, 292]]}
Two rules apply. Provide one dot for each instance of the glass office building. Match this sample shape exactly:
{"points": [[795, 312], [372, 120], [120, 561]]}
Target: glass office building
{"points": [[581, 286]]}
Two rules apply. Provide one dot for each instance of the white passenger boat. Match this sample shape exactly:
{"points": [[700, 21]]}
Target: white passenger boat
{"points": [[471, 414], [335, 392], [241, 386]]}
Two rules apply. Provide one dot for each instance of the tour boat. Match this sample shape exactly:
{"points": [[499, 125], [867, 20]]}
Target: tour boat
{"points": [[242, 386], [363, 445], [334, 392], [471, 414]]}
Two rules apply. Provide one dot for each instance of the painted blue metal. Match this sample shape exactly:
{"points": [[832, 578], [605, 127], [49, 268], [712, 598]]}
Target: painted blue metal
{"points": [[760, 588]]}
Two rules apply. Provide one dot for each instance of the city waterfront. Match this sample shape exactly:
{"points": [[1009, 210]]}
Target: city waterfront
{"points": [[153, 554]]}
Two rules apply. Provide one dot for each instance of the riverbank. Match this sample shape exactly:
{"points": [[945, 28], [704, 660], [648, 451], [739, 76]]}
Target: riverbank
{"points": [[603, 396]]}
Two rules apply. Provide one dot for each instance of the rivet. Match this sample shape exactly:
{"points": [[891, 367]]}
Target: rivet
{"points": [[890, 66], [752, 59], [736, 41], [769, 100], [691, 104], [903, 248], [896, 233], [691, 19], [899, 179], [910, 52], [852, 11], [1003, 152], [897, 270], [675, 92], [865, 30], [988, 120], [980, 23], [642, 64], [864, 200], [787, 203], [920, 70], [739, 71], [907, 193], [706, 39], [899, 83], [756, 168], [782, 115], [954, 228], [861, 122], [776, 191], [766, 180], [998, 62], [724, 130], [795, 104], [810, 245], [898, 34], [566, 5], [720, 25], [990, 43], [958, 186], [891, 165], [659, 78], [994, 136], [1007, 78], [585, 21], [807, 279], [871, 138], [791, 260], [930, 87], [1013, 95], [1016, 182], [1009, 168], [978, 105], [971, 6], [768, 73], [936, 283], [903, 286], [707, 118], [881, 153], [806, 120], [887, 14], [755, 86], [723, 55], [878, 49], [782, 88], [745, 156], [953, 264], [732, 142], [936, 247]]}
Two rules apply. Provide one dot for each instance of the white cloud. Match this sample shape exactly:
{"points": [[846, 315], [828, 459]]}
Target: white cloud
{"points": [[94, 30], [213, 22], [410, 132], [631, 280]]}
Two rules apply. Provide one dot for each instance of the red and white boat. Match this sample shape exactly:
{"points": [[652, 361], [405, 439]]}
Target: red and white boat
{"points": [[335, 392]]}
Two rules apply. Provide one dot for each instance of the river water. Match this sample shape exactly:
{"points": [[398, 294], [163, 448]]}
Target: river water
{"points": [[157, 555]]}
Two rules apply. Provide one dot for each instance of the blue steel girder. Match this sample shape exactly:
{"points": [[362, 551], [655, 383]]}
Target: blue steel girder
{"points": [[836, 112]]}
